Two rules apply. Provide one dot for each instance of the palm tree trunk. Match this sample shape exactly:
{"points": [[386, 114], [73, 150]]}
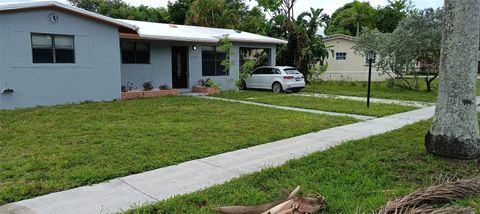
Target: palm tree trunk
{"points": [[455, 131], [358, 29]]}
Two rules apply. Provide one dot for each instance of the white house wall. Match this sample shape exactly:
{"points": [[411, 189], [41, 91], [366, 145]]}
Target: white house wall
{"points": [[94, 76]]}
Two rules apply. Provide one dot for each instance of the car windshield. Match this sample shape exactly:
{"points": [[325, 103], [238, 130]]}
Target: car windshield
{"points": [[291, 71]]}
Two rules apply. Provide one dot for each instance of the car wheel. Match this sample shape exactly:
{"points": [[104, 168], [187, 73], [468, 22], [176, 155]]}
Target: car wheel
{"points": [[277, 87], [243, 86]]}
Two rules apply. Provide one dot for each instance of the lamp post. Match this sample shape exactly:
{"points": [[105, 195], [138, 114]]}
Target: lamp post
{"points": [[370, 59]]}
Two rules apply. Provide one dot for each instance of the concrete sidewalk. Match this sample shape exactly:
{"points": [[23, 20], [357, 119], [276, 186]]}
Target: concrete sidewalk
{"points": [[417, 104], [356, 116], [123, 193]]}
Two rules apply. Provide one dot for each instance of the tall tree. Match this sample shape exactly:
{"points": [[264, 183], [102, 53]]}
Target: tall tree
{"points": [[455, 131], [359, 14], [388, 17], [121, 10], [351, 18], [416, 39], [278, 7], [90, 5], [216, 13], [309, 47], [178, 10], [304, 47], [254, 22], [282, 26]]}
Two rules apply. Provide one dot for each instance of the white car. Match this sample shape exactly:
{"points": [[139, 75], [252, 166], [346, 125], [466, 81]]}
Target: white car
{"points": [[275, 78]]}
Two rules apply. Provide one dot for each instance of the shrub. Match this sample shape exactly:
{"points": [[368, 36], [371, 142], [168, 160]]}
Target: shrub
{"points": [[390, 83], [147, 86], [201, 83], [315, 72], [211, 84], [164, 87], [245, 70]]}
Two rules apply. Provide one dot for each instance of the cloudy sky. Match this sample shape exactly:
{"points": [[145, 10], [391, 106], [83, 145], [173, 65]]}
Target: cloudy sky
{"points": [[329, 6]]}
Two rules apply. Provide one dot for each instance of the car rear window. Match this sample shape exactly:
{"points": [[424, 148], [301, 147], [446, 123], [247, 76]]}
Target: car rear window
{"points": [[291, 71]]}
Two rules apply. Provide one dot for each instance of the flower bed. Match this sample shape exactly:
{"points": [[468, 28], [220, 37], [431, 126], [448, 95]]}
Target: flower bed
{"points": [[205, 90], [153, 93]]}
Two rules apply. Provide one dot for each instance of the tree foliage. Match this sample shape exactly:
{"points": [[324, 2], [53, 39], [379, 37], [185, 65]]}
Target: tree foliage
{"points": [[121, 10], [217, 13], [388, 17], [351, 18], [254, 22], [308, 46], [305, 47], [355, 16], [178, 10], [416, 40]]}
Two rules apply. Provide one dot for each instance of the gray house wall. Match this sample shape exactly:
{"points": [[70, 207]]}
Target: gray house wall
{"points": [[159, 71], [94, 76]]}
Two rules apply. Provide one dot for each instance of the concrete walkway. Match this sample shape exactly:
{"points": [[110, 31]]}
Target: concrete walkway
{"points": [[134, 190], [356, 116], [417, 104]]}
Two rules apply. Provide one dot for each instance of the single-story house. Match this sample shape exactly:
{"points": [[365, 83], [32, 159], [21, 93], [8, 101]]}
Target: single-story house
{"points": [[53, 53], [344, 63]]}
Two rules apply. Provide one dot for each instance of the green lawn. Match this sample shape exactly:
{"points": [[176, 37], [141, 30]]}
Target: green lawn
{"points": [[355, 177], [316, 103], [49, 149], [379, 90]]}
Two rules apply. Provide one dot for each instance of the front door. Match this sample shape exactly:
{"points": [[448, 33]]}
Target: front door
{"points": [[179, 67]]}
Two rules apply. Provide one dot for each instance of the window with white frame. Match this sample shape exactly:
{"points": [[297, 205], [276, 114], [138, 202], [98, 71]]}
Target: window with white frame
{"points": [[52, 48], [341, 56], [212, 58]]}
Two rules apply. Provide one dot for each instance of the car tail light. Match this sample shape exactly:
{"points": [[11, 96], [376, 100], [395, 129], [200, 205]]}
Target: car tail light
{"points": [[288, 77]]}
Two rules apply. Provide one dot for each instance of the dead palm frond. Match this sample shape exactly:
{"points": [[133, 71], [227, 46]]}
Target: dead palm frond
{"points": [[257, 208], [441, 210], [432, 195]]}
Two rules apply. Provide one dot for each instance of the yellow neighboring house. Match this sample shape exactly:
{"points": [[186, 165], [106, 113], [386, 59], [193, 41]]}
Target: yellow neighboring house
{"points": [[344, 63]]}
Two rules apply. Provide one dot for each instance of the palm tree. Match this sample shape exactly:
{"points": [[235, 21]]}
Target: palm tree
{"points": [[357, 14], [207, 13], [308, 46], [454, 132]]}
